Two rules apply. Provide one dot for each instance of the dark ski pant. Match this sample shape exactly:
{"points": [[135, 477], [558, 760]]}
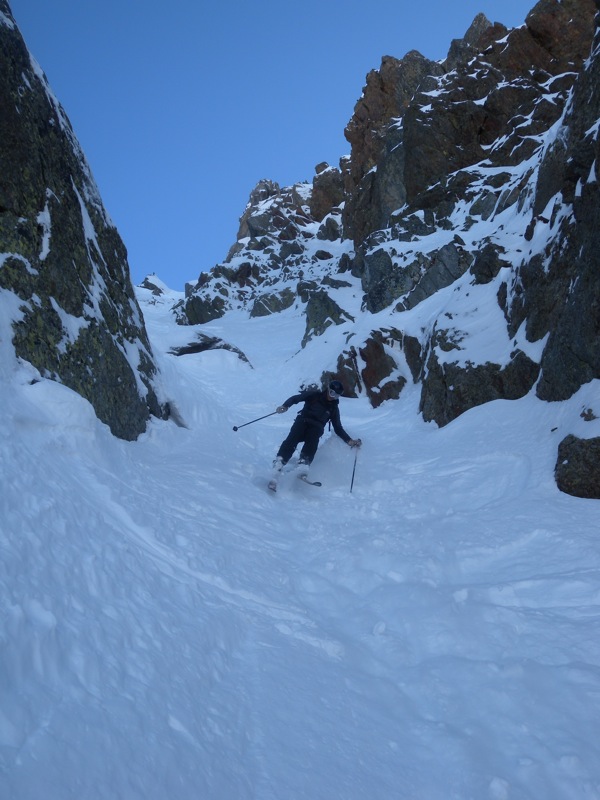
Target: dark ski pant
{"points": [[301, 431]]}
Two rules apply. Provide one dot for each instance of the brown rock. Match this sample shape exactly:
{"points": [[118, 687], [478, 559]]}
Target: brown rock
{"points": [[385, 97], [378, 374], [327, 192]]}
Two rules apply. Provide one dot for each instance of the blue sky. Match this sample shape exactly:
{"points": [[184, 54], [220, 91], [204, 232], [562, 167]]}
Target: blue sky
{"points": [[181, 108]]}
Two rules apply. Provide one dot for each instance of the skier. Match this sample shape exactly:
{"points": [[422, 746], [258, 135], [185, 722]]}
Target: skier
{"points": [[320, 407]]}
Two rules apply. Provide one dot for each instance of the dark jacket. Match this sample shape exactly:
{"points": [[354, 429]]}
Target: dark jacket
{"points": [[319, 410]]}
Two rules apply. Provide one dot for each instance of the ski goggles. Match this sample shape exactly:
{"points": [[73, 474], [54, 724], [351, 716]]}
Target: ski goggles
{"points": [[333, 395]]}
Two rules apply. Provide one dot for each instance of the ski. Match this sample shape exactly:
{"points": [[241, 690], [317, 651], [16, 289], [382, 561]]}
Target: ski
{"points": [[272, 485], [310, 483]]}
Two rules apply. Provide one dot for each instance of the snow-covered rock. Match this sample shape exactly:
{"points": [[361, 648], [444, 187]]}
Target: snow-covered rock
{"points": [[77, 320]]}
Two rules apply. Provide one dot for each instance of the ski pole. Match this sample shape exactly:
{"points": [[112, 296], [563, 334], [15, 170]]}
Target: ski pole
{"points": [[354, 468], [237, 427]]}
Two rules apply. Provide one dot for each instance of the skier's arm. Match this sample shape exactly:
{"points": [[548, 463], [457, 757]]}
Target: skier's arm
{"points": [[296, 398], [337, 427]]}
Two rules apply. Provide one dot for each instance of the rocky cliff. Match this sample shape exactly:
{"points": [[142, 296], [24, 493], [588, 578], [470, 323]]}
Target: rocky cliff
{"points": [[471, 186], [63, 266]]}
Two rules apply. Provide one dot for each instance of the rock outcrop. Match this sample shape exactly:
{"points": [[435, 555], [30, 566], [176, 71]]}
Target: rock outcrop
{"points": [[60, 254], [576, 469], [289, 244]]}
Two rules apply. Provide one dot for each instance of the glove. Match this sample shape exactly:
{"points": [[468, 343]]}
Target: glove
{"points": [[355, 442], [281, 409]]}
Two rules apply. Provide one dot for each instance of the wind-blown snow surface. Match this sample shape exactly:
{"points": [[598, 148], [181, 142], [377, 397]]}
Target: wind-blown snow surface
{"points": [[170, 630]]}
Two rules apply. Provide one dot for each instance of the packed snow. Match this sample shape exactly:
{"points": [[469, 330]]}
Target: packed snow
{"points": [[171, 630]]}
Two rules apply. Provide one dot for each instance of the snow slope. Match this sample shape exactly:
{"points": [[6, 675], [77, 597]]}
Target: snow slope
{"points": [[171, 630]]}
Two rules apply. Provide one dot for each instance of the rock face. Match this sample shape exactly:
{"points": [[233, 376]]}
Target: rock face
{"points": [[486, 114], [466, 217], [375, 184], [79, 322], [566, 296]]}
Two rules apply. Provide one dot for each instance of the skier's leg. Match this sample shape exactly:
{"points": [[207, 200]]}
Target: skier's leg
{"points": [[292, 440], [309, 448]]}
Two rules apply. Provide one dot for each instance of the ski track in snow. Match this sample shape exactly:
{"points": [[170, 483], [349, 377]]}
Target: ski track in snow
{"points": [[172, 630]]}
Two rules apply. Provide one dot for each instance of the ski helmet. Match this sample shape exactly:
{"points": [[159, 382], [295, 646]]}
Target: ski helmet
{"points": [[335, 387]]}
